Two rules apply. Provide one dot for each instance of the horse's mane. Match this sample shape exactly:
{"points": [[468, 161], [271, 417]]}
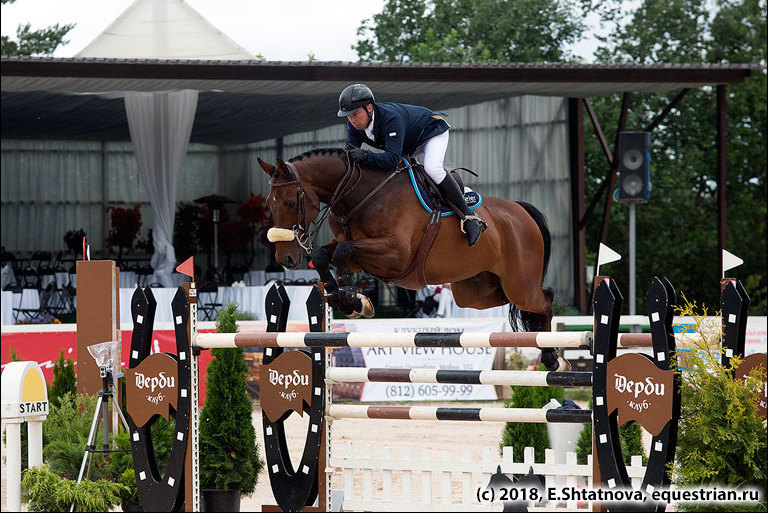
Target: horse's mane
{"points": [[319, 151]]}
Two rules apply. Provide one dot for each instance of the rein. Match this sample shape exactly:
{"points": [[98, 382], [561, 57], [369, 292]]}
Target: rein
{"points": [[305, 236]]}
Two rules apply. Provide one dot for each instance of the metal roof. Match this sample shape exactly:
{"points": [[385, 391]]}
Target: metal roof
{"points": [[247, 101]]}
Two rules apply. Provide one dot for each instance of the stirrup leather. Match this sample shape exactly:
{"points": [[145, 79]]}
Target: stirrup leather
{"points": [[483, 224]]}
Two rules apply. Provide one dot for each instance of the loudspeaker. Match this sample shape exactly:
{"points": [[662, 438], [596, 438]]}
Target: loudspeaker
{"points": [[634, 167]]}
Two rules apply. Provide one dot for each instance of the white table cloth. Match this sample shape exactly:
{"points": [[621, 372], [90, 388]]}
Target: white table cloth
{"points": [[7, 307]]}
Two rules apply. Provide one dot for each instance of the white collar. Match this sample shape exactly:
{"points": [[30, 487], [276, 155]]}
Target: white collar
{"points": [[369, 128]]}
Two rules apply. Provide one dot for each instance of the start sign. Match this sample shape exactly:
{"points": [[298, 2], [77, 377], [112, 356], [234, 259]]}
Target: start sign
{"points": [[24, 394]]}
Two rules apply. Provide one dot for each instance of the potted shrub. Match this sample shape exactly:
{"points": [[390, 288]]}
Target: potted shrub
{"points": [[229, 455]]}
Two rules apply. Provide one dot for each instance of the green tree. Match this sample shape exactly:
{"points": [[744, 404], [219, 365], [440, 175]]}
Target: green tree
{"points": [[35, 42], [229, 453], [683, 205], [64, 380], [470, 31]]}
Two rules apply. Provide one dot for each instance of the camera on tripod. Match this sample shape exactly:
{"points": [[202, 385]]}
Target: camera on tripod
{"points": [[105, 354]]}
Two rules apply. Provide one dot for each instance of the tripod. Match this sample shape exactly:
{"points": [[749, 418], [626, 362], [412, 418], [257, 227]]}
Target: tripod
{"points": [[107, 392]]}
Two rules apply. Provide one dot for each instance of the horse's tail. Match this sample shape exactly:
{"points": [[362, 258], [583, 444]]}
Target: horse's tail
{"points": [[520, 320]]}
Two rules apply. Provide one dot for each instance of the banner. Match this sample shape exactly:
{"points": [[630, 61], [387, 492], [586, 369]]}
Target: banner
{"points": [[445, 358], [449, 358]]}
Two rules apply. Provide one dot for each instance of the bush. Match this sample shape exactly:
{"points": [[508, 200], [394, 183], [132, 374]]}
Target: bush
{"points": [[65, 434], [520, 435], [722, 438], [229, 454], [45, 491]]}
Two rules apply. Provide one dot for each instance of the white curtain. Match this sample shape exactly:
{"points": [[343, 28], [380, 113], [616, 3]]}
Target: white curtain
{"points": [[160, 126]]}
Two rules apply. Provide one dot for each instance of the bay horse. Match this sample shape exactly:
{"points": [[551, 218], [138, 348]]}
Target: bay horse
{"points": [[378, 225]]}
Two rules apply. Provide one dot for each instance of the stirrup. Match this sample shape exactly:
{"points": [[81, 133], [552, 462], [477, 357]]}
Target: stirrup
{"points": [[483, 224]]}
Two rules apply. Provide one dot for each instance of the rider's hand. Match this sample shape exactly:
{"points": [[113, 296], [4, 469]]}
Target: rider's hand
{"points": [[358, 155]]}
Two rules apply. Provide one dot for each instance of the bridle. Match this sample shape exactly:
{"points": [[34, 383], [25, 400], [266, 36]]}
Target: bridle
{"points": [[306, 235]]}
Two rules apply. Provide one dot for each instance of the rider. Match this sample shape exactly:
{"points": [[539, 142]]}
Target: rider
{"points": [[401, 129]]}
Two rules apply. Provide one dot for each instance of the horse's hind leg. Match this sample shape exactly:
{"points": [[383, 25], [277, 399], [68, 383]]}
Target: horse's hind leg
{"points": [[549, 356]]}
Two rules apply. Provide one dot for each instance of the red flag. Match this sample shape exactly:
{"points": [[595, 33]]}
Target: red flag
{"points": [[311, 265], [187, 267]]}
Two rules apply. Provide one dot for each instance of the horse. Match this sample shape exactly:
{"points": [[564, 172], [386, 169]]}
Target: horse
{"points": [[378, 226]]}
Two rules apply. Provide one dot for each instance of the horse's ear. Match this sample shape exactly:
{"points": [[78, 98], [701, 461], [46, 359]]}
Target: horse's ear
{"points": [[267, 167], [282, 168]]}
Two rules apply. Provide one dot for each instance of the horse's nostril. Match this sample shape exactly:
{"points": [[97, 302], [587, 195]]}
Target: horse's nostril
{"points": [[288, 261]]}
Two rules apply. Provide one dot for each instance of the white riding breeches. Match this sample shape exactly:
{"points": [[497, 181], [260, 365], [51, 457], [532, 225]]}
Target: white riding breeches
{"points": [[434, 155]]}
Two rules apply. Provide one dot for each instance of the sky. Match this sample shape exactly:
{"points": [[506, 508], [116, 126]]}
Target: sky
{"points": [[279, 30]]}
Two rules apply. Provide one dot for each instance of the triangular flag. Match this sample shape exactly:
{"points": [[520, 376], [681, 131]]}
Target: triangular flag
{"points": [[605, 255], [730, 261], [187, 267]]}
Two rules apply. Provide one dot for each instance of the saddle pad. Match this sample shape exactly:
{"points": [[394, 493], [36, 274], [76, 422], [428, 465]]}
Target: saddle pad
{"points": [[472, 198]]}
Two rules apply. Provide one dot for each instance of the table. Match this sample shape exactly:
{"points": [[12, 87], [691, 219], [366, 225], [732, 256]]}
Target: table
{"points": [[249, 299], [259, 278]]}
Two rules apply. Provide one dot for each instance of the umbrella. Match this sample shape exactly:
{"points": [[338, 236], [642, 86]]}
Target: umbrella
{"points": [[215, 202]]}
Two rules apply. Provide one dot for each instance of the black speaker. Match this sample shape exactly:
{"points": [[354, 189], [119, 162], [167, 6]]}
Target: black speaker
{"points": [[634, 167]]}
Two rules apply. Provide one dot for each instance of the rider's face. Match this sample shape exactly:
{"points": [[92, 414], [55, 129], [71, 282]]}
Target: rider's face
{"points": [[360, 118]]}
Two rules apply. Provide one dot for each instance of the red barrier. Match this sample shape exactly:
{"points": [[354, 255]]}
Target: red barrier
{"points": [[43, 345]]}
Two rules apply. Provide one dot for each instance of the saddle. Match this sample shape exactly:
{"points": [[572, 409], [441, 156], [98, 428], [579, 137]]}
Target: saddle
{"points": [[428, 194]]}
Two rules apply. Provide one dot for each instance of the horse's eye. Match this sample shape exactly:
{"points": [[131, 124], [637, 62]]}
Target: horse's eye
{"points": [[291, 204]]}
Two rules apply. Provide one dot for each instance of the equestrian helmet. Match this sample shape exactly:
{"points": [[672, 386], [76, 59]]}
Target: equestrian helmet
{"points": [[352, 98]]}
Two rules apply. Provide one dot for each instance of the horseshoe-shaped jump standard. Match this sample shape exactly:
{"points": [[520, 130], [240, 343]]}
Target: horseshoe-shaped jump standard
{"points": [[654, 402], [295, 488], [160, 492]]}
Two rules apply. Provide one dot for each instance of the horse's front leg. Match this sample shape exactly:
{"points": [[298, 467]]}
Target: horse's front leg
{"points": [[321, 260], [350, 302]]}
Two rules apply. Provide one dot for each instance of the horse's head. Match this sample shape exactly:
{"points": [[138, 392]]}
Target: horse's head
{"points": [[293, 208]]}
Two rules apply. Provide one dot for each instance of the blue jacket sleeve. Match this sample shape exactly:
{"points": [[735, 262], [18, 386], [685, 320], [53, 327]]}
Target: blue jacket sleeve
{"points": [[393, 131]]}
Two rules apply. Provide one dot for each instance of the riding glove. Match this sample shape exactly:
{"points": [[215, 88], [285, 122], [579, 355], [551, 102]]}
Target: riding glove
{"points": [[358, 155]]}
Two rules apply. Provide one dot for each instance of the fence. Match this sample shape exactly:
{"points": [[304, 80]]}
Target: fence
{"points": [[391, 480]]}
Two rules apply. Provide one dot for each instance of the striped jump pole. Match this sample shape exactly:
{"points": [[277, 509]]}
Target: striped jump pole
{"points": [[528, 415], [626, 340], [573, 339], [465, 377]]}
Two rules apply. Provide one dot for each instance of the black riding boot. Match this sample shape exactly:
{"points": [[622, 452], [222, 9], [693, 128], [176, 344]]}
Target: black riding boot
{"points": [[471, 223]]}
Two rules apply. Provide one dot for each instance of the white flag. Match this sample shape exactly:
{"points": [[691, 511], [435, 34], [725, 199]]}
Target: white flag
{"points": [[730, 261], [605, 255]]}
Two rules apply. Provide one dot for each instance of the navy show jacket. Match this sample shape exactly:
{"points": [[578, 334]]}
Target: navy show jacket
{"points": [[398, 129]]}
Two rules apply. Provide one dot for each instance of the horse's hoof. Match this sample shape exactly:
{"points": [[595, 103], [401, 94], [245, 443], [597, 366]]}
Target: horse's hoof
{"points": [[563, 365], [353, 315], [367, 310]]}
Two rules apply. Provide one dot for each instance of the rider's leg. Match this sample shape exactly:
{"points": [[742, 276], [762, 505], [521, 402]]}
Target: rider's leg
{"points": [[434, 155]]}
